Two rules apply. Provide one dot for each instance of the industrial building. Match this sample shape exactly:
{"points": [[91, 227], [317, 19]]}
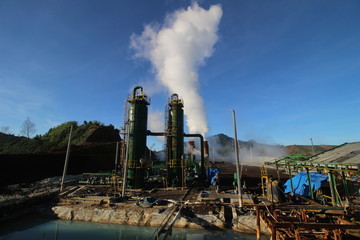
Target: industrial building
{"points": [[189, 185]]}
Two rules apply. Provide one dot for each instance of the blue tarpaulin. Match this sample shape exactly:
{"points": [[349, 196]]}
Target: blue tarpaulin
{"points": [[301, 183]]}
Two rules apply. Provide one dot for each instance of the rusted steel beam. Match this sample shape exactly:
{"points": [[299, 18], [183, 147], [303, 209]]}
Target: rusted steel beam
{"points": [[287, 219], [329, 226], [343, 221], [337, 234], [297, 234], [307, 207]]}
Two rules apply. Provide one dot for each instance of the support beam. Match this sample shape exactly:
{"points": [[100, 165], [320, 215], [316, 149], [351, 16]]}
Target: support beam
{"points": [[309, 182], [258, 227], [291, 182], [346, 187], [66, 161], [124, 181], [236, 144], [332, 183]]}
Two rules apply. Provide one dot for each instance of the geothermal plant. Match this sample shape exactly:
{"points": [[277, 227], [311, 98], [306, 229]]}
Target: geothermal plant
{"points": [[135, 162], [288, 198], [313, 203]]}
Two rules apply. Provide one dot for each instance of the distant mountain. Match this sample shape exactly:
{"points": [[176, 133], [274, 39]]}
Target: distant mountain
{"points": [[307, 149]]}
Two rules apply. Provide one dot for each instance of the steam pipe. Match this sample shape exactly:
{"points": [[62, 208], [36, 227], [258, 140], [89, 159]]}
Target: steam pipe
{"points": [[201, 152], [149, 133], [174, 95], [136, 88]]}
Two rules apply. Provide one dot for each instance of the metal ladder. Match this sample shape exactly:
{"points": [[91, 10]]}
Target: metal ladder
{"points": [[264, 179]]}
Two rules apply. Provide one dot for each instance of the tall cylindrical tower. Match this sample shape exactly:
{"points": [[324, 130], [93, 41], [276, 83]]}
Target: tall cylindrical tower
{"points": [[175, 141], [137, 127]]}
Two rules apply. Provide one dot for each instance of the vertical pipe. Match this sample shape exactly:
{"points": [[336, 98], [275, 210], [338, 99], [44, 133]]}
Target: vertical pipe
{"points": [[237, 160], [309, 182], [66, 160]]}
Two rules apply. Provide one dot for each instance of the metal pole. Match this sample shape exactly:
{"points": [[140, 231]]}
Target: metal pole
{"points": [[312, 146], [66, 161], [116, 157], [237, 160], [332, 182], [126, 164]]}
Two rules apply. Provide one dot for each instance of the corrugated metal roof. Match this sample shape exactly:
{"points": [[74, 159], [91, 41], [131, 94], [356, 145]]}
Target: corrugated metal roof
{"points": [[346, 153]]}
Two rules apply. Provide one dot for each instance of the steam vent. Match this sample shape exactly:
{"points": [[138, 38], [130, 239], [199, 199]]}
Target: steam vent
{"points": [[313, 196]]}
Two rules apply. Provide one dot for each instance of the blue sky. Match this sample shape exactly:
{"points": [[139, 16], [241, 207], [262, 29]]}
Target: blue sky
{"points": [[290, 69]]}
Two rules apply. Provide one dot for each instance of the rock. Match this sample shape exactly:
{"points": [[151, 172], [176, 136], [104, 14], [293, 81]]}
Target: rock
{"points": [[247, 224], [133, 216]]}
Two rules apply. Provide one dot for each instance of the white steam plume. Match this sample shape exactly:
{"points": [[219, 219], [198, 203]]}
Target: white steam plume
{"points": [[156, 122], [176, 50]]}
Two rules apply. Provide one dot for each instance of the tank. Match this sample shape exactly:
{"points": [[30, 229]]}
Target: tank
{"points": [[137, 127], [175, 141]]}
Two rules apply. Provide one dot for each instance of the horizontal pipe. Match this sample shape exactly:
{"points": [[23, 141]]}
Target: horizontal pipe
{"points": [[149, 133]]}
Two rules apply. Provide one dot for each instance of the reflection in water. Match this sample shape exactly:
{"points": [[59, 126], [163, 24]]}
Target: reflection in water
{"points": [[68, 230]]}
